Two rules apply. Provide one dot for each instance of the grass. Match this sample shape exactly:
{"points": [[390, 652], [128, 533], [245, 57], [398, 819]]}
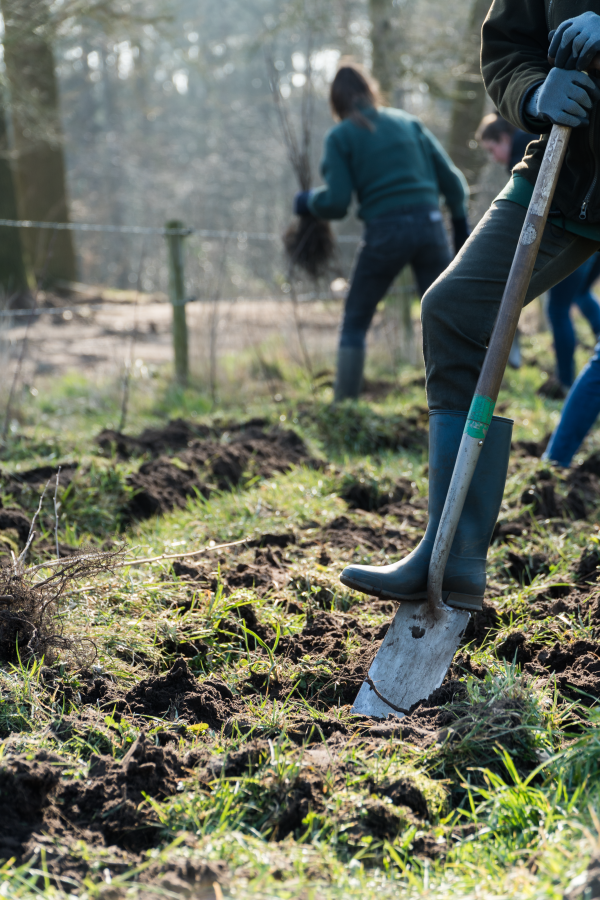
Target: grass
{"points": [[290, 798]]}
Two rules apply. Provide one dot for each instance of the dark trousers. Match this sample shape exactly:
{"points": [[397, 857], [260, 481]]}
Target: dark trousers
{"points": [[415, 237], [574, 289], [458, 312]]}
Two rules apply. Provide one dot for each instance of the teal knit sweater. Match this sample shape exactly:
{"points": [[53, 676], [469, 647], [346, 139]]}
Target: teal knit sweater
{"points": [[397, 164]]}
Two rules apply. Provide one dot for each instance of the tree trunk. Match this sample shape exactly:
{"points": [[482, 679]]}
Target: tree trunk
{"points": [[384, 45], [469, 102], [40, 169], [13, 275]]}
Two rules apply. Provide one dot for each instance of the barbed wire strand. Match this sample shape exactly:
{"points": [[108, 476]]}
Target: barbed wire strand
{"points": [[242, 236]]}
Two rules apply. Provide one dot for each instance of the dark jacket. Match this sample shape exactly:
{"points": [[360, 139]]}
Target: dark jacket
{"points": [[394, 164], [514, 59], [520, 142]]}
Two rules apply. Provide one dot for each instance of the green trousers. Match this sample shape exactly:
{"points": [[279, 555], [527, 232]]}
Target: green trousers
{"points": [[459, 310]]}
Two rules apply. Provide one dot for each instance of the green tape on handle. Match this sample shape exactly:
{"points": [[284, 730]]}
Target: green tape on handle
{"points": [[480, 417]]}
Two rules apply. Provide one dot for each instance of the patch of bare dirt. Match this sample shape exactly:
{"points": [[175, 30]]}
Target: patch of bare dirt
{"points": [[546, 502], [481, 624], [107, 807], [179, 695], [525, 567], [203, 466], [346, 534], [360, 493], [504, 529], [378, 389], [586, 570], [325, 635], [24, 486], [177, 434], [576, 665], [531, 448], [269, 571]]}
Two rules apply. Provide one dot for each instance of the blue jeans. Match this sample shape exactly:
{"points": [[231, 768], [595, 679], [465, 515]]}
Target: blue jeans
{"points": [[414, 236], [580, 411], [574, 289]]}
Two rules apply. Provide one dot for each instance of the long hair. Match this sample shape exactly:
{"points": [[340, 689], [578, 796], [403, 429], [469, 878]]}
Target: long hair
{"points": [[492, 128], [352, 90]]}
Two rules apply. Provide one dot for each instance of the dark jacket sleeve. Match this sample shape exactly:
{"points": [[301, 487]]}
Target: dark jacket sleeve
{"points": [[514, 57]]}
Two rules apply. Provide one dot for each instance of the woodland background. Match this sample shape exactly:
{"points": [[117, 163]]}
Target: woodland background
{"points": [[123, 112]]}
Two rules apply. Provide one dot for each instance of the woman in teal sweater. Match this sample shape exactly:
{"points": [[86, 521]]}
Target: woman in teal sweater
{"points": [[397, 169]]}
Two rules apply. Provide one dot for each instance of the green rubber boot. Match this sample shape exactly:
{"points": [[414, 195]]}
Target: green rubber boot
{"points": [[350, 365], [465, 576]]}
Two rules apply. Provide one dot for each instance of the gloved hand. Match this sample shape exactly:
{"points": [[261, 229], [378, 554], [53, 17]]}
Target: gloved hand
{"points": [[301, 203], [565, 98], [461, 230], [575, 42]]}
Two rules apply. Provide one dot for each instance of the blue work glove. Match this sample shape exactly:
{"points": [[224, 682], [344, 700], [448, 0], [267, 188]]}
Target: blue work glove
{"points": [[461, 230], [575, 42], [301, 203], [565, 98]]}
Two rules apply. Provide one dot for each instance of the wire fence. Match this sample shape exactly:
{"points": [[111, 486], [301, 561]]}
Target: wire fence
{"points": [[193, 298]]}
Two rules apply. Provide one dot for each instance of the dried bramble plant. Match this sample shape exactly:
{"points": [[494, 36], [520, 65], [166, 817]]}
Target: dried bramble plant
{"points": [[31, 622]]}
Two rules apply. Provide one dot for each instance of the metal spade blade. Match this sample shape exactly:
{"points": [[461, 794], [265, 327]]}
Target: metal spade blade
{"points": [[412, 660]]}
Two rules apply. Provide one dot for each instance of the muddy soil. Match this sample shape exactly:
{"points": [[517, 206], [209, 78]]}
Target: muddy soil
{"points": [[309, 791], [268, 572], [345, 534], [359, 493], [24, 486], [166, 483], [525, 567], [531, 448], [374, 389], [576, 665], [325, 636], [176, 435], [176, 696], [105, 807]]}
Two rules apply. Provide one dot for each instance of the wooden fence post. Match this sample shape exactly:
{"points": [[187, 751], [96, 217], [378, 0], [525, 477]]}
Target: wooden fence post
{"points": [[177, 297]]}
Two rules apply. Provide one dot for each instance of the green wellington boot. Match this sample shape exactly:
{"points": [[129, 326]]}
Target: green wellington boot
{"points": [[465, 578], [349, 376]]}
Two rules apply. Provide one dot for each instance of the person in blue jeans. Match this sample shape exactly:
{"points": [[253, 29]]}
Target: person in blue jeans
{"points": [[397, 169], [580, 411], [574, 289]]}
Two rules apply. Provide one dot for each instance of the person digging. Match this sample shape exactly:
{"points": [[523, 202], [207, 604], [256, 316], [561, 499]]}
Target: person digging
{"points": [[397, 169], [507, 145], [459, 310]]}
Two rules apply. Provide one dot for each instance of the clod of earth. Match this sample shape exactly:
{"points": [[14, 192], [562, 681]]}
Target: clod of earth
{"points": [[268, 572], [360, 493], [107, 806], [206, 465], [179, 695], [525, 568], [342, 532]]}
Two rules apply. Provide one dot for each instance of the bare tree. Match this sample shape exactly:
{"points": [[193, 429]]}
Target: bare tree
{"points": [[13, 275], [469, 99], [384, 44], [40, 166]]}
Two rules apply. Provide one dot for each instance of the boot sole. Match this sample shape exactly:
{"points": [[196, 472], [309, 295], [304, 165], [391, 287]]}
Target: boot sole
{"points": [[453, 599]]}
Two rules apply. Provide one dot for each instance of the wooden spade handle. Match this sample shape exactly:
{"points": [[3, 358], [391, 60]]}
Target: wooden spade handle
{"points": [[521, 271], [486, 393]]}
